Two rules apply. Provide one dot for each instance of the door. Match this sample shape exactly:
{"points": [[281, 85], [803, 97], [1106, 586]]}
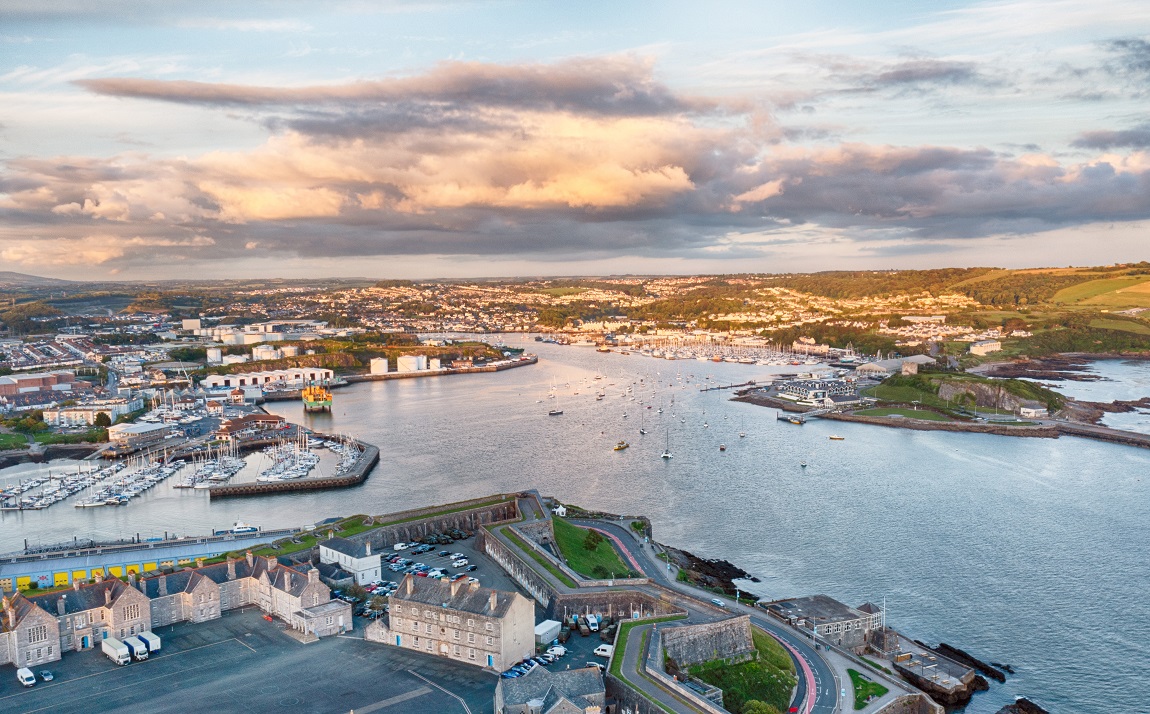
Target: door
{"points": [[490, 661], [84, 642], [397, 642]]}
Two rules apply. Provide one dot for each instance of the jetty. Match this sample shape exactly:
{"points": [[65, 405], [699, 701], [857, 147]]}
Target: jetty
{"points": [[718, 387]]}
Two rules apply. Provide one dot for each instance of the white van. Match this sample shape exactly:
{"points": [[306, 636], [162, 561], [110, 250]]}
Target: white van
{"points": [[401, 546], [26, 677], [604, 651]]}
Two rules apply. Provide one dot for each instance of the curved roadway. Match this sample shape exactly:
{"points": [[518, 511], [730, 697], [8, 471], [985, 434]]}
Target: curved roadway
{"points": [[815, 675]]}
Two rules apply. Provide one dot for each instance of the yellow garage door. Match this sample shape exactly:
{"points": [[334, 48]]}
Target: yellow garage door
{"points": [[60, 579], [116, 571], [97, 571], [148, 567], [80, 575], [23, 581]]}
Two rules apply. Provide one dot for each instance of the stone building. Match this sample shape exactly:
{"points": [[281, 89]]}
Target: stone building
{"points": [[79, 618], [28, 634], [830, 620], [355, 558], [459, 620], [573, 691]]}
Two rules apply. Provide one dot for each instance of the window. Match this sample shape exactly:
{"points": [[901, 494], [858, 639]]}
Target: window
{"points": [[470, 654], [428, 629], [414, 626], [38, 633], [471, 623], [490, 640], [455, 634], [132, 612], [330, 619], [315, 599], [470, 638], [79, 621], [398, 608], [488, 627]]}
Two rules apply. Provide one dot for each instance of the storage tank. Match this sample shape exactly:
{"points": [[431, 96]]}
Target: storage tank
{"points": [[411, 363], [379, 365]]}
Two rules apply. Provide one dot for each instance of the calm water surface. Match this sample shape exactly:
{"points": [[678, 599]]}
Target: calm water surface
{"points": [[1025, 551]]}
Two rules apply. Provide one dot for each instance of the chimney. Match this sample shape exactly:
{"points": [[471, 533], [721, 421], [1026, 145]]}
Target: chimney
{"points": [[11, 612], [132, 579], [313, 575], [61, 605], [108, 596], [75, 584], [199, 562], [491, 601], [454, 587], [409, 582], [367, 548], [231, 569], [163, 586], [251, 561], [98, 576], [474, 586]]}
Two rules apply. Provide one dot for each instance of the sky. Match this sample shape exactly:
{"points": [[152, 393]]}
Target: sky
{"points": [[451, 138]]}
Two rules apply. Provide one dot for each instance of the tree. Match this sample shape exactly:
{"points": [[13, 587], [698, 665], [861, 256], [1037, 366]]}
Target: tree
{"points": [[754, 706], [103, 420], [378, 602], [592, 540], [356, 591]]}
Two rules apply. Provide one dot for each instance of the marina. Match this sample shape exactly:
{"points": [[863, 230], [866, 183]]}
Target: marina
{"points": [[1014, 520]]}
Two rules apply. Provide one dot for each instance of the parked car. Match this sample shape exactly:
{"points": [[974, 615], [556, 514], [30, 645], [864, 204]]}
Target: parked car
{"points": [[461, 563], [457, 556], [443, 554], [473, 581], [471, 568], [718, 602], [46, 675]]}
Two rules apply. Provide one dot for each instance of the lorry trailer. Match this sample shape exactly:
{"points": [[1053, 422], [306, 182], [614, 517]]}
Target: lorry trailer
{"points": [[117, 651]]}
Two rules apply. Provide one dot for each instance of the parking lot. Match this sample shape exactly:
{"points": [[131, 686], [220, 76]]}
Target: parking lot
{"points": [[242, 662], [488, 572]]}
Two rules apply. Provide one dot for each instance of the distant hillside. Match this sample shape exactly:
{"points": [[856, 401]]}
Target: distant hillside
{"points": [[10, 279]]}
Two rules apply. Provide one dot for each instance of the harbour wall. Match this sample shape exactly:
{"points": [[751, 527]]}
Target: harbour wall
{"points": [[354, 476], [621, 604], [1046, 432], [446, 371], [514, 566], [728, 640], [422, 522]]}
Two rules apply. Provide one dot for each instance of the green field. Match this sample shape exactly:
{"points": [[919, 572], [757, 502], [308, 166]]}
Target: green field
{"points": [[908, 413], [768, 678], [1114, 292], [531, 553], [603, 562], [12, 441], [1137, 328], [865, 689]]}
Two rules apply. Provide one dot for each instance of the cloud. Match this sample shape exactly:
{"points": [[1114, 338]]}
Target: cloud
{"points": [[1131, 56], [1136, 138], [928, 72], [615, 86], [89, 250], [245, 25]]}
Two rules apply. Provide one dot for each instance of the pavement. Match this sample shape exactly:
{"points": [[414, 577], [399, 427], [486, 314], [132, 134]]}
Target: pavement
{"points": [[241, 662]]}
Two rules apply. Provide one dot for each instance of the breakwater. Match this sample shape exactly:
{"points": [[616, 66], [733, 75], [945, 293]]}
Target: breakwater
{"points": [[1047, 432], [354, 476]]}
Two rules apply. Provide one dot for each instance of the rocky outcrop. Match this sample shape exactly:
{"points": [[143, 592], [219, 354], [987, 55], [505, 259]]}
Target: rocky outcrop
{"points": [[982, 394], [1022, 706], [709, 573]]}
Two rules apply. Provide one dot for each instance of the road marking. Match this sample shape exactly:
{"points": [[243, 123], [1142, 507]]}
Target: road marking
{"points": [[450, 694], [134, 683], [390, 702]]}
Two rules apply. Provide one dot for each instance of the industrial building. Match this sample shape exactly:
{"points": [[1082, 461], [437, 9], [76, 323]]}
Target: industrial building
{"points": [[830, 620], [985, 347], [288, 378], [133, 436]]}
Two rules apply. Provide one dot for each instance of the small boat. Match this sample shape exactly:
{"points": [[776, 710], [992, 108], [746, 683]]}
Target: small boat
{"points": [[803, 464], [642, 431], [835, 437], [667, 455], [742, 434], [722, 447], [555, 412], [621, 445], [241, 527]]}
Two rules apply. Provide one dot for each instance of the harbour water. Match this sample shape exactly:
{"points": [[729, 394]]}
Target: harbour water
{"points": [[1126, 380], [1024, 551]]}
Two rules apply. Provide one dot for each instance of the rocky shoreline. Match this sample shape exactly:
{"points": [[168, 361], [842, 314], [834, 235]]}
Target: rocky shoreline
{"points": [[713, 574], [1044, 432], [52, 451]]}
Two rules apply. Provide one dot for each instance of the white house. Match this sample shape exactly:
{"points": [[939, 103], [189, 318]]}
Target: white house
{"points": [[355, 558]]}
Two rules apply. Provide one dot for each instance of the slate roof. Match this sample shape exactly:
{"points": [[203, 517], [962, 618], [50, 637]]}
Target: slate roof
{"points": [[85, 598], [468, 598], [21, 607], [345, 546], [579, 687]]}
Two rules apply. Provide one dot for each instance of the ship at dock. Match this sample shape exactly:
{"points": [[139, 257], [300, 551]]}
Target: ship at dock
{"points": [[316, 398]]}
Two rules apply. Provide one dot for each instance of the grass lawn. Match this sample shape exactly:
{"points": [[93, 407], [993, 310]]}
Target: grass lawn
{"points": [[1096, 288], [603, 562], [908, 413], [621, 640], [769, 678], [48, 437], [538, 558], [865, 689], [12, 441]]}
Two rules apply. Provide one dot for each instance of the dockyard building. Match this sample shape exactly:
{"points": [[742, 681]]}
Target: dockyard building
{"points": [[133, 436], [29, 635], [459, 620], [287, 378]]}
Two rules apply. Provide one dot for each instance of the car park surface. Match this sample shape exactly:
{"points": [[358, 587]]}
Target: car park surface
{"points": [[243, 663]]}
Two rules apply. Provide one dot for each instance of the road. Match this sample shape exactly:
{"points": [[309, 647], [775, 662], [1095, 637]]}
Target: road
{"points": [[815, 675]]}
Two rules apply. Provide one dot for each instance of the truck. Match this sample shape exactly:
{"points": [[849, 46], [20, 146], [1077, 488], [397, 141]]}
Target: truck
{"points": [[593, 623], [137, 647], [117, 651], [584, 628], [547, 632], [151, 640]]}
